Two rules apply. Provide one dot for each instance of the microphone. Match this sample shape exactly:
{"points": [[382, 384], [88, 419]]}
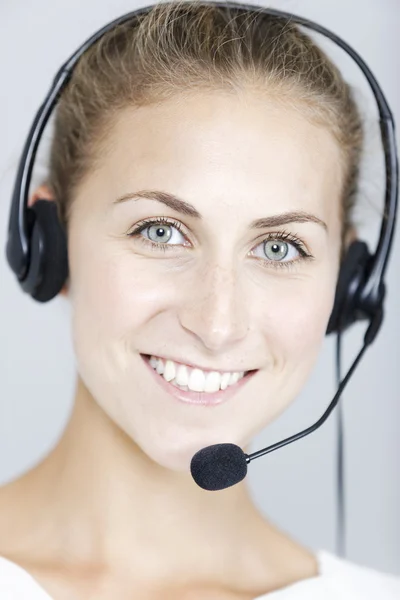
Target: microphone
{"points": [[220, 466]]}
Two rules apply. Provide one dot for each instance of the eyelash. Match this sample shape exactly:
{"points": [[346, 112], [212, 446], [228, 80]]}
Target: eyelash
{"points": [[283, 236]]}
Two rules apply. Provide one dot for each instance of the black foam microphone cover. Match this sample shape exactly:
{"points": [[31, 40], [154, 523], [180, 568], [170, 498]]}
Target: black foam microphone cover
{"points": [[219, 466]]}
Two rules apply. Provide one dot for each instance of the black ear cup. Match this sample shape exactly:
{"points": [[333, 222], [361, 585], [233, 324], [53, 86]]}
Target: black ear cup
{"points": [[48, 266], [352, 276]]}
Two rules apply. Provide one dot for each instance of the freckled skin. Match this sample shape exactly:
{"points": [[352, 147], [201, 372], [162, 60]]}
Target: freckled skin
{"points": [[234, 162], [116, 493]]}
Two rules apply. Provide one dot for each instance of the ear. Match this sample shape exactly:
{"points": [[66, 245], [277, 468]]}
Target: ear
{"points": [[43, 192]]}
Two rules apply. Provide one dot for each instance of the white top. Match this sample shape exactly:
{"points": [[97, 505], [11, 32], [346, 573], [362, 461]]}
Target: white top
{"points": [[338, 579]]}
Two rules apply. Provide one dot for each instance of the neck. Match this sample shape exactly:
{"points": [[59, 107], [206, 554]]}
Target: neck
{"points": [[107, 503]]}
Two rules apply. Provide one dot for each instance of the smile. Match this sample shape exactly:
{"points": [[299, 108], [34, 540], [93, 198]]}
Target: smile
{"points": [[210, 388]]}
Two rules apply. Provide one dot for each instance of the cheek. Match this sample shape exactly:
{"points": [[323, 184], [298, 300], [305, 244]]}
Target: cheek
{"points": [[110, 299], [114, 294], [301, 315], [294, 330]]}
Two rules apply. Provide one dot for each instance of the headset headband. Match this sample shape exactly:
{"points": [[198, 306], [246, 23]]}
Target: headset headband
{"points": [[18, 244]]}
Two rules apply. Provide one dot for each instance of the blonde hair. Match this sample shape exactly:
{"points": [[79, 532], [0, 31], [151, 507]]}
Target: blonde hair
{"points": [[187, 45]]}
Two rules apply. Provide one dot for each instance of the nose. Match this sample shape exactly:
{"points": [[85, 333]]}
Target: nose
{"points": [[215, 310]]}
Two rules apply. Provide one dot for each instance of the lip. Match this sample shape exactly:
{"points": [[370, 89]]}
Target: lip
{"points": [[202, 398], [189, 364]]}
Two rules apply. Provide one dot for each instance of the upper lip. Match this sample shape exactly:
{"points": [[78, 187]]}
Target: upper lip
{"points": [[197, 366]]}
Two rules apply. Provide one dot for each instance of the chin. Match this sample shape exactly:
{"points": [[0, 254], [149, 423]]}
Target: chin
{"points": [[177, 459], [177, 456]]}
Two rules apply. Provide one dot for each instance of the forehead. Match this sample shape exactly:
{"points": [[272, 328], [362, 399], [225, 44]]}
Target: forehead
{"points": [[214, 146]]}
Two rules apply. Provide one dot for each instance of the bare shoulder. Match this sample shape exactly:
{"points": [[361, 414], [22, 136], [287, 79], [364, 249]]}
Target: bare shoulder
{"points": [[16, 516], [21, 538], [27, 539], [14, 511]]}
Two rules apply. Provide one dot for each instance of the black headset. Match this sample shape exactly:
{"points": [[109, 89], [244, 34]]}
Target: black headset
{"points": [[37, 243]]}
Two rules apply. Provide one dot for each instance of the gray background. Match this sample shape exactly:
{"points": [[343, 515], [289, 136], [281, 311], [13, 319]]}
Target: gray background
{"points": [[295, 486]]}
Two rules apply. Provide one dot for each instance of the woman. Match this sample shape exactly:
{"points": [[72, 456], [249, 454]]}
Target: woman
{"points": [[195, 119]]}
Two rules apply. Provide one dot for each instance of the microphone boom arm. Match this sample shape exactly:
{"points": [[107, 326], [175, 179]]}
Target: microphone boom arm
{"points": [[371, 332]]}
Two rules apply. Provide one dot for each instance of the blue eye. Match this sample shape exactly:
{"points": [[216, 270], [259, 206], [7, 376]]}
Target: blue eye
{"points": [[275, 247], [159, 232], [279, 250]]}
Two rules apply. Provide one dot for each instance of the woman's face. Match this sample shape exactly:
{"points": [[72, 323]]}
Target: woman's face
{"points": [[219, 293]]}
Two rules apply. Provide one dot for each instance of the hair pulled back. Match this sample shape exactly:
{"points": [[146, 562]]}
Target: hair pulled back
{"points": [[187, 45]]}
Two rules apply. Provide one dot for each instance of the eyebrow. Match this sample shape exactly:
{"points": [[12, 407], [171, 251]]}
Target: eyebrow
{"points": [[179, 205]]}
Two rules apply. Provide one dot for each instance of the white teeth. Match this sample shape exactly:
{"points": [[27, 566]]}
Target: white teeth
{"points": [[212, 383], [225, 380], [194, 379], [234, 378], [182, 375], [169, 371]]}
